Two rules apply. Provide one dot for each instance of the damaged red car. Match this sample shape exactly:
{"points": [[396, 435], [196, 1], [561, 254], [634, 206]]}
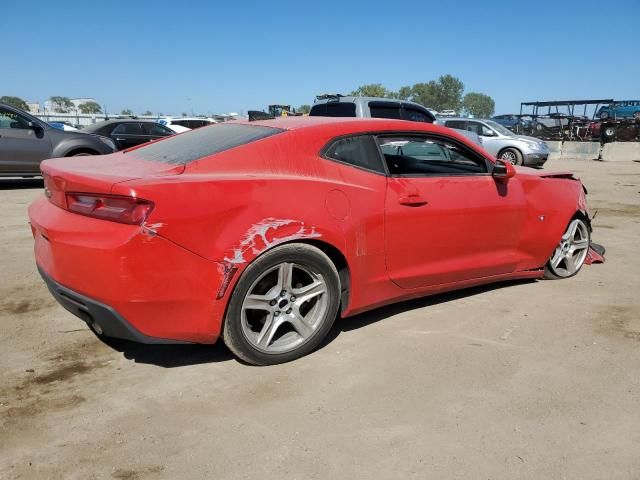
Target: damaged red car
{"points": [[263, 233]]}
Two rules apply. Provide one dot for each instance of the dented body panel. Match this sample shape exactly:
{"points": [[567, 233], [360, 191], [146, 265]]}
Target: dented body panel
{"points": [[172, 276]]}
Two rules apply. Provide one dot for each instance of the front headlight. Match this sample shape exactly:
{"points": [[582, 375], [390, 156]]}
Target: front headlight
{"points": [[534, 146], [108, 142]]}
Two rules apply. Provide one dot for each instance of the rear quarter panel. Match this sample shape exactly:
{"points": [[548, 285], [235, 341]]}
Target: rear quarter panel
{"points": [[269, 193]]}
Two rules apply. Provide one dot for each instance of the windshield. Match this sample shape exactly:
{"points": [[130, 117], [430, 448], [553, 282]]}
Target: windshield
{"points": [[499, 128]]}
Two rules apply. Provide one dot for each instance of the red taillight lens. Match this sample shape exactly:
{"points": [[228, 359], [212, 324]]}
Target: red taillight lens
{"points": [[133, 211]]}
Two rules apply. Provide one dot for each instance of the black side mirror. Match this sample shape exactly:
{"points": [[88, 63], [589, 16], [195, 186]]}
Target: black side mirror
{"points": [[503, 171]]}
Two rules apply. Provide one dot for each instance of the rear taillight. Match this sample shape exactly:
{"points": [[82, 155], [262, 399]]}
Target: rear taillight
{"points": [[116, 208]]}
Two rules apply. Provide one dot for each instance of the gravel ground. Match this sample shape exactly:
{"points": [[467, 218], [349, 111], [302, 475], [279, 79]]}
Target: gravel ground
{"points": [[536, 380]]}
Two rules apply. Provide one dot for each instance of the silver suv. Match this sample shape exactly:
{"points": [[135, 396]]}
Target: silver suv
{"points": [[376, 107], [502, 143]]}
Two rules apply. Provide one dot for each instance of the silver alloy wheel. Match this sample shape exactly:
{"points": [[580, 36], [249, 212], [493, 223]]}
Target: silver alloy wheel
{"points": [[572, 251], [509, 156], [284, 307]]}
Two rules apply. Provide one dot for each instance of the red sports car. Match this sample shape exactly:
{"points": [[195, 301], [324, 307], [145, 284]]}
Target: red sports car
{"points": [[264, 232]]}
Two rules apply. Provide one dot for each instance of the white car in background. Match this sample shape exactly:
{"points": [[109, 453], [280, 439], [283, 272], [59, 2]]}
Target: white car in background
{"points": [[177, 128], [448, 113], [186, 122]]}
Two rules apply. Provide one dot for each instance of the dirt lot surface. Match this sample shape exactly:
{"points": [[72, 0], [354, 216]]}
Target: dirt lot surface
{"points": [[536, 380]]}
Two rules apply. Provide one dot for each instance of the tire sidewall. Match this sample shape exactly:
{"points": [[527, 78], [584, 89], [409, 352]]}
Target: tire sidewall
{"points": [[301, 254]]}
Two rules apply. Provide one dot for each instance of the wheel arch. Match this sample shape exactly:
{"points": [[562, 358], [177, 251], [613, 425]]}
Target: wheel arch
{"points": [[76, 151], [336, 256]]}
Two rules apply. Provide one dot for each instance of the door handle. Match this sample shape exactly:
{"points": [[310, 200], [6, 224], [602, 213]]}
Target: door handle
{"points": [[412, 200]]}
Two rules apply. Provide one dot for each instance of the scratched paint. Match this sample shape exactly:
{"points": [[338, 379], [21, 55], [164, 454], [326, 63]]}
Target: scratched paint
{"points": [[267, 233]]}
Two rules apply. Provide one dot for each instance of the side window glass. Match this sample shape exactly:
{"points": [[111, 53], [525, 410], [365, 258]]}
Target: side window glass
{"points": [[474, 127], [459, 124], [414, 115], [384, 111], [128, 129], [360, 151], [412, 155], [152, 128], [9, 119]]}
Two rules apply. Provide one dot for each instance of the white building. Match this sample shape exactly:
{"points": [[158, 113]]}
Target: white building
{"points": [[34, 107]]}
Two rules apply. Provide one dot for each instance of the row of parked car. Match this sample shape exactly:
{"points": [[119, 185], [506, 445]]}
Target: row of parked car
{"points": [[26, 140]]}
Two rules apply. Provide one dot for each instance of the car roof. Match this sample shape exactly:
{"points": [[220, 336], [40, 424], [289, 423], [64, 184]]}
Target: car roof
{"points": [[363, 100]]}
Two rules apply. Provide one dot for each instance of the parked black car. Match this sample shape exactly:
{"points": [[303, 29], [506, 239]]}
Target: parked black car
{"points": [[26, 140], [129, 132]]}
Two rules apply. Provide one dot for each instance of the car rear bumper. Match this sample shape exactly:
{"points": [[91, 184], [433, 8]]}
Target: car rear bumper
{"points": [[535, 159], [101, 318], [133, 283]]}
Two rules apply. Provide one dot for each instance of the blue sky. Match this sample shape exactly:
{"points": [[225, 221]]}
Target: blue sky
{"points": [[208, 56]]}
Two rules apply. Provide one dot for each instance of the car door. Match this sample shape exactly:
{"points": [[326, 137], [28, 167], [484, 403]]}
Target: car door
{"points": [[446, 218], [128, 134], [22, 147], [491, 142]]}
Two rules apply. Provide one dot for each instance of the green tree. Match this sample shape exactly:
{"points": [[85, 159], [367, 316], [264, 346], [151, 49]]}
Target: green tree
{"points": [[425, 94], [450, 90], [304, 109], [61, 104], [127, 112], [90, 107], [478, 104], [403, 93], [148, 113], [15, 102], [371, 90]]}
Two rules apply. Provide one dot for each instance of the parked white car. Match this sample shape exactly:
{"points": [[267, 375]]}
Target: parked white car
{"points": [[501, 142], [188, 122]]}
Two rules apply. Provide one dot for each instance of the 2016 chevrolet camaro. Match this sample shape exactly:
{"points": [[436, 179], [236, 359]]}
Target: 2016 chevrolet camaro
{"points": [[262, 233]]}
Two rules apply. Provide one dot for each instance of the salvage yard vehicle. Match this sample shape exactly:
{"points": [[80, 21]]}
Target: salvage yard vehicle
{"points": [[620, 110], [503, 143], [129, 132], [26, 140], [263, 232], [376, 107]]}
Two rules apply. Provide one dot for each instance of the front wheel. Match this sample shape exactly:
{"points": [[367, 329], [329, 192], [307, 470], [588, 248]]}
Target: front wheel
{"points": [[569, 256], [511, 155], [283, 305]]}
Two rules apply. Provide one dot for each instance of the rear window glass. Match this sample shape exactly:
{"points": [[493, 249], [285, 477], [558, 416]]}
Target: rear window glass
{"points": [[333, 109], [196, 144]]}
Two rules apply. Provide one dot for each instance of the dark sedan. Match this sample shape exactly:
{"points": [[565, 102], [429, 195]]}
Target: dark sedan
{"points": [[129, 132]]}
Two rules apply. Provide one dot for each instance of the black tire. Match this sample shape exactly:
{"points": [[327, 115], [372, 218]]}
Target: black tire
{"points": [[511, 155], [609, 132], [299, 254], [551, 273]]}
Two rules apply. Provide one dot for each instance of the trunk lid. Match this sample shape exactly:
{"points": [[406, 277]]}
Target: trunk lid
{"points": [[97, 174]]}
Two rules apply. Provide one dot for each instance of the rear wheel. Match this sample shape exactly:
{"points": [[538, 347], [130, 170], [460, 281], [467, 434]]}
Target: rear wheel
{"points": [[283, 305], [511, 155], [569, 256]]}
